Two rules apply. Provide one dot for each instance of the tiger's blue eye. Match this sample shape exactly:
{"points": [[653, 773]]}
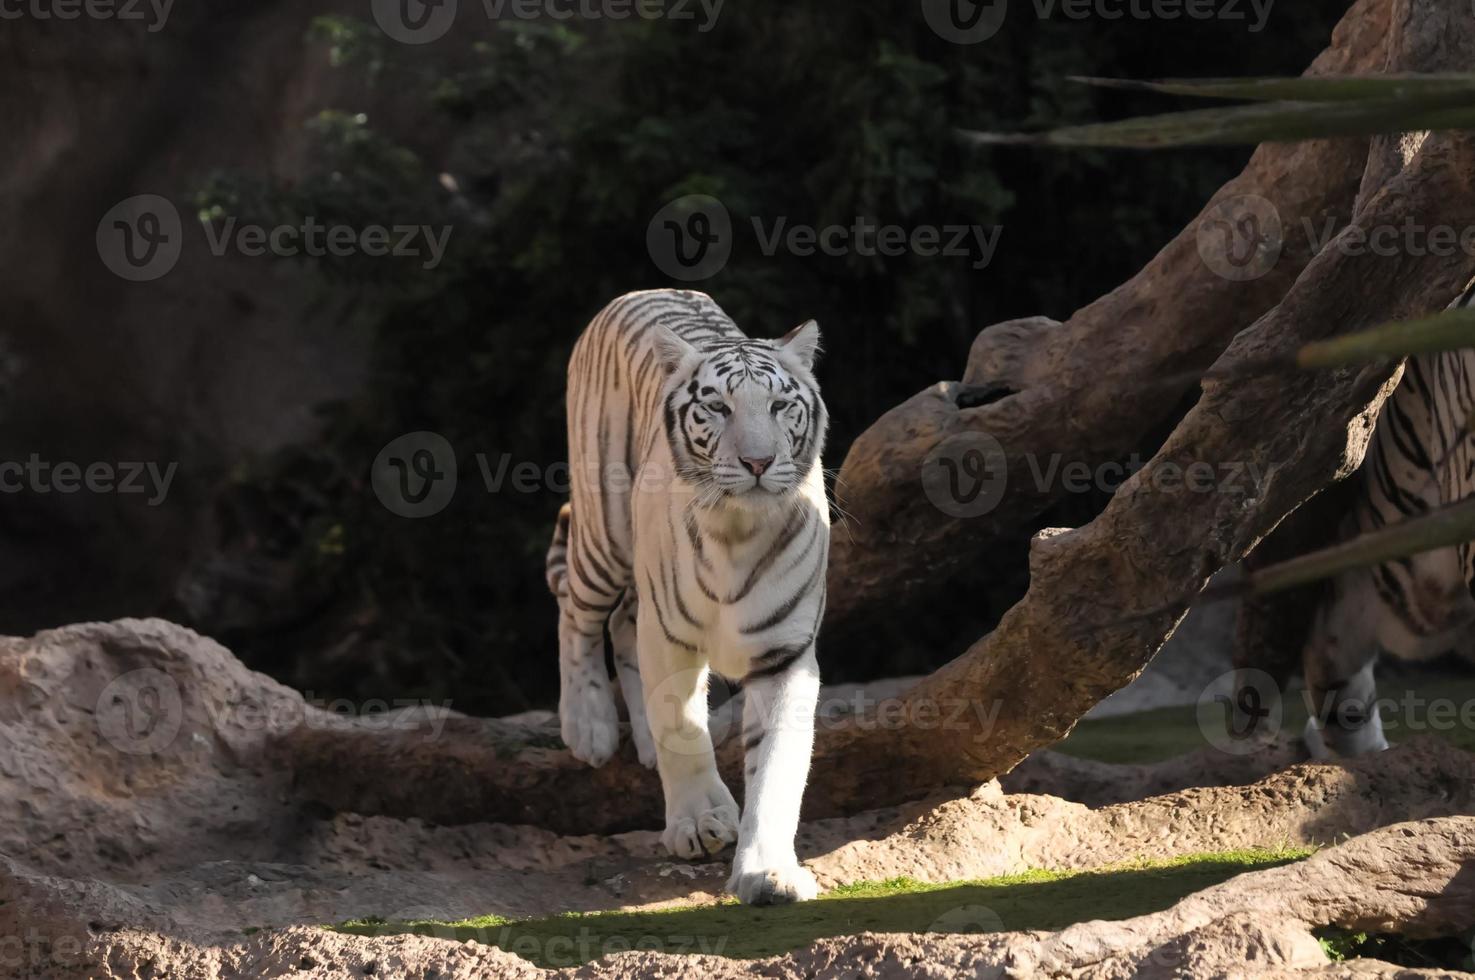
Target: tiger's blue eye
{"points": [[779, 405], [716, 408]]}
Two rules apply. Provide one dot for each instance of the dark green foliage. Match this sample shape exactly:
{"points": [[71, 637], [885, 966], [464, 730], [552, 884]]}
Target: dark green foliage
{"points": [[561, 142]]}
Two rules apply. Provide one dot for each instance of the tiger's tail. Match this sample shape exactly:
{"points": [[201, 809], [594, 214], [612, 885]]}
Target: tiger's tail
{"points": [[557, 564]]}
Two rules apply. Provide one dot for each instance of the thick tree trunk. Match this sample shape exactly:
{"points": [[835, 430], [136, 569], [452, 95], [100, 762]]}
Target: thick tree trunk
{"points": [[1088, 390], [1093, 616], [1103, 597]]}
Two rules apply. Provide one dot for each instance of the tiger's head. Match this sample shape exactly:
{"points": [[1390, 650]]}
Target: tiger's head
{"points": [[744, 418]]}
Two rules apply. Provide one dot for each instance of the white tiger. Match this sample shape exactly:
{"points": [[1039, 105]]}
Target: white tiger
{"points": [[1422, 456], [698, 496]]}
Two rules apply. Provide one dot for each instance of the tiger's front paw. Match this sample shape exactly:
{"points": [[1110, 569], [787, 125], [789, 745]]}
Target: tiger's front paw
{"points": [[703, 823], [1333, 744], [589, 722], [773, 886]]}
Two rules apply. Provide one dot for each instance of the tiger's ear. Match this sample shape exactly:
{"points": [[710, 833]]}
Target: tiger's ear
{"points": [[802, 343], [671, 350]]}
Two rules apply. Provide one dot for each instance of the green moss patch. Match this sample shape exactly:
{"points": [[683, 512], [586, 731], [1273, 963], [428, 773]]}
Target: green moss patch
{"points": [[1033, 900]]}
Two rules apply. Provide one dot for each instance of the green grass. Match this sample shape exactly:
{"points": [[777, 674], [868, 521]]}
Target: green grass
{"points": [[1444, 707], [1032, 900]]}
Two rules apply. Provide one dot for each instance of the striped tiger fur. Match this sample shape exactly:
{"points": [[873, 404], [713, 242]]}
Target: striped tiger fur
{"points": [[698, 532], [1422, 456], [621, 627], [556, 565]]}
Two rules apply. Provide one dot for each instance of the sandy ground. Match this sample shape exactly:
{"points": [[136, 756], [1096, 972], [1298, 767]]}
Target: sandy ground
{"points": [[148, 819]]}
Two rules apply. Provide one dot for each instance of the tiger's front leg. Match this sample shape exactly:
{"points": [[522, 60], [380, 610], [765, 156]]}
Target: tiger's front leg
{"points": [[701, 815], [778, 738]]}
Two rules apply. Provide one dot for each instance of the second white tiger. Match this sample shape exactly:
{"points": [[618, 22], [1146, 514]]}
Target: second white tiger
{"points": [[698, 493]]}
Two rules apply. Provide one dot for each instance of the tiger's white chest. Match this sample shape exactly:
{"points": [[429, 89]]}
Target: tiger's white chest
{"points": [[732, 576], [727, 643]]}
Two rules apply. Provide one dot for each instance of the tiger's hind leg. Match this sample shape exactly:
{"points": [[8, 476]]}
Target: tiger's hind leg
{"points": [[1341, 693], [627, 669], [587, 717]]}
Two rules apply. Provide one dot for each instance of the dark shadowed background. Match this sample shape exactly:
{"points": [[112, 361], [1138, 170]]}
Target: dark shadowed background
{"points": [[270, 383]]}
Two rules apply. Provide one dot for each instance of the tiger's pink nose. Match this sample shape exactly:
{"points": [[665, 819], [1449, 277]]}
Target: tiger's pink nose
{"points": [[755, 465]]}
